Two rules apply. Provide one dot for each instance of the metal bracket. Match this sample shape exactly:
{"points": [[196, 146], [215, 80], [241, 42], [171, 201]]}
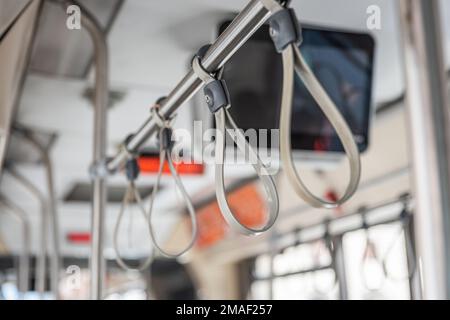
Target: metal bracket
{"points": [[215, 90], [217, 95], [132, 169], [285, 29]]}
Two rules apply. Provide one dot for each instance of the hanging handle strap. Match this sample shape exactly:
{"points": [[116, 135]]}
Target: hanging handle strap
{"points": [[218, 100], [131, 195], [165, 148], [286, 34]]}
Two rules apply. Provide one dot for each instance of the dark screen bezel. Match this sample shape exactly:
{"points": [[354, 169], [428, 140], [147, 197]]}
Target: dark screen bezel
{"points": [[362, 41]]}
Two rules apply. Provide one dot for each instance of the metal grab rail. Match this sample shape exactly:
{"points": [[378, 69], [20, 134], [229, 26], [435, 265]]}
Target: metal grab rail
{"points": [[238, 32]]}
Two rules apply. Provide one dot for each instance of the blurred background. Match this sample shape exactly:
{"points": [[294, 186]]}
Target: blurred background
{"points": [[372, 247]]}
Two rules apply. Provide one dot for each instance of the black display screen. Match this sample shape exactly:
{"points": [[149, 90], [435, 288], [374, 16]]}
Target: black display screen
{"points": [[343, 63]]}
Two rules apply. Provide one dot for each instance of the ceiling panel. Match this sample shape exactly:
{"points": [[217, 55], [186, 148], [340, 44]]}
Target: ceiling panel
{"points": [[152, 44]]}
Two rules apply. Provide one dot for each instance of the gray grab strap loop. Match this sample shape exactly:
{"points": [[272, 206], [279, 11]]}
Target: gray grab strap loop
{"points": [[165, 148], [293, 62], [405, 217]]}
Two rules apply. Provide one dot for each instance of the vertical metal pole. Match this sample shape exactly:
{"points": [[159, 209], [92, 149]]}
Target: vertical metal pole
{"points": [[54, 221], [429, 128], [41, 268], [99, 171], [99, 159], [339, 266]]}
